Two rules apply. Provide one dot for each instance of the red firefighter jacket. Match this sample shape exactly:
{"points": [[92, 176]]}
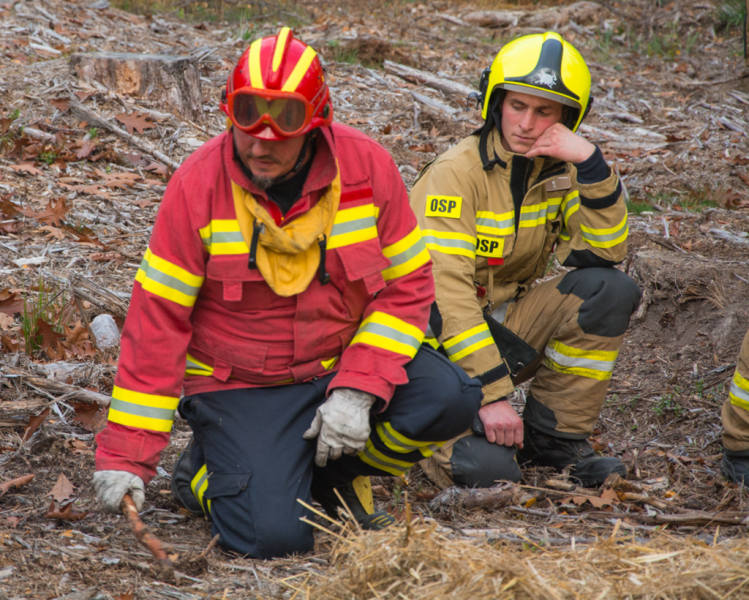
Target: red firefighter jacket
{"points": [[200, 318]]}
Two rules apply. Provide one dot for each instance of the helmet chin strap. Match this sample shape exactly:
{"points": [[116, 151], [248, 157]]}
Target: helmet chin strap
{"points": [[309, 138]]}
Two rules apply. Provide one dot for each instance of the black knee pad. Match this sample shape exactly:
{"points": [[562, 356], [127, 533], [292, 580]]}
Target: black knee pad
{"points": [[609, 299], [449, 395], [476, 462]]}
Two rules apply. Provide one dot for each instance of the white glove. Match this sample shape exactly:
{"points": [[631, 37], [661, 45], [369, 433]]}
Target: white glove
{"points": [[342, 423], [111, 487]]}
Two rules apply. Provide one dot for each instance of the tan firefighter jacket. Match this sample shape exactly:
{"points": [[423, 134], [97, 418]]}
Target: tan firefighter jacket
{"points": [[486, 251]]}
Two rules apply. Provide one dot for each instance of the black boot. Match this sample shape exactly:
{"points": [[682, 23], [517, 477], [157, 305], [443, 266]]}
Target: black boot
{"points": [[182, 475], [358, 498], [543, 450], [735, 466]]}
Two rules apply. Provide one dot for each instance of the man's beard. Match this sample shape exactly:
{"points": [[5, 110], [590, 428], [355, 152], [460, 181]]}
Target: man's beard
{"points": [[263, 183]]}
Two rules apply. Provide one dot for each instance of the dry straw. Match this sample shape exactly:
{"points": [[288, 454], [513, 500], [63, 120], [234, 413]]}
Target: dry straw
{"points": [[418, 561]]}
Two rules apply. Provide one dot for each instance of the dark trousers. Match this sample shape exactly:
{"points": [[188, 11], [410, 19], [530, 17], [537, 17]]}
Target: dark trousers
{"points": [[251, 462]]}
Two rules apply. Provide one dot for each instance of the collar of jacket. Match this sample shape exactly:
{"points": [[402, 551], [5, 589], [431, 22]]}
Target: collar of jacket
{"points": [[321, 174]]}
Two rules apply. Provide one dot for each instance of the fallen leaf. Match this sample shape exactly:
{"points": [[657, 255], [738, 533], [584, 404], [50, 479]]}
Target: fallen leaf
{"points": [[10, 345], [83, 96], [126, 596], [34, 422], [10, 302], [26, 168], [62, 490], [17, 482], [77, 446], [87, 414], [77, 334], [6, 321], [53, 232], [13, 521], [50, 339], [429, 147], [135, 121], [86, 148], [11, 226], [5, 124], [157, 167], [66, 513], [531, 502], [434, 132], [61, 104], [136, 159], [53, 214]]}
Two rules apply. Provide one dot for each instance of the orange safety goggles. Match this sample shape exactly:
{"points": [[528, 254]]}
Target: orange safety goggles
{"points": [[287, 113]]}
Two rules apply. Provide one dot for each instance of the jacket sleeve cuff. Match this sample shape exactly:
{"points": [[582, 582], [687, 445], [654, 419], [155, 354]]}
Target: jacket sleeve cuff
{"points": [[593, 169], [497, 390], [124, 448]]}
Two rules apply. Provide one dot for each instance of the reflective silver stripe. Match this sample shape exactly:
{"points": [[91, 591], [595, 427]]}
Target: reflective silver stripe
{"points": [[382, 463], [450, 243], [402, 446], [569, 205], [167, 280], [151, 412], [223, 237], [592, 237], [494, 223], [469, 341], [538, 212], [429, 450], [605, 366], [390, 333], [739, 392], [407, 254], [355, 225]]}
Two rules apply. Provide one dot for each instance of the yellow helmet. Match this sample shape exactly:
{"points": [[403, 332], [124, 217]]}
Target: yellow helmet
{"points": [[542, 64]]}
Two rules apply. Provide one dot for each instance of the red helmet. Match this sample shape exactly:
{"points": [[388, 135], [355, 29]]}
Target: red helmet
{"points": [[277, 90]]}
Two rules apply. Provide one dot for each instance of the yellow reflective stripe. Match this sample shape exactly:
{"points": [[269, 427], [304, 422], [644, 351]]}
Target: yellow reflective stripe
{"points": [[223, 236], [145, 411], [397, 442], [468, 342], [253, 62], [378, 460], [593, 364], [739, 393], [553, 207], [570, 205], [329, 363], [450, 243], [406, 255], [300, 70], [195, 367], [389, 333], [564, 235], [199, 484], [533, 216], [495, 223], [352, 225], [606, 238], [167, 280], [280, 47]]}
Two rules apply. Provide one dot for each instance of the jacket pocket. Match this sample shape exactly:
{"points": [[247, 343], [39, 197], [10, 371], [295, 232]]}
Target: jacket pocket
{"points": [[226, 485], [232, 272], [365, 261], [228, 350]]}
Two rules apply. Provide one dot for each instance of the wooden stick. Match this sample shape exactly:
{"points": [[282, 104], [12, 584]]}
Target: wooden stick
{"points": [[96, 120], [428, 79], [57, 387], [143, 533]]}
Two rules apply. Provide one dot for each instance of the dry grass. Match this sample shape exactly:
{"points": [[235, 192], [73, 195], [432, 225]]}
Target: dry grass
{"points": [[419, 561]]}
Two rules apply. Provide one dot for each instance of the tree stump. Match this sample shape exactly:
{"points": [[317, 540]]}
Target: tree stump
{"points": [[170, 82]]}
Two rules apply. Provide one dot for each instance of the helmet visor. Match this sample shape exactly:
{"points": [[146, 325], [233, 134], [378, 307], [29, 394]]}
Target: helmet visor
{"points": [[289, 115]]}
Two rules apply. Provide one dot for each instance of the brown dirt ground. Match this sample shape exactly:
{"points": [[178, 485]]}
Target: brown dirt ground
{"points": [[681, 149]]}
